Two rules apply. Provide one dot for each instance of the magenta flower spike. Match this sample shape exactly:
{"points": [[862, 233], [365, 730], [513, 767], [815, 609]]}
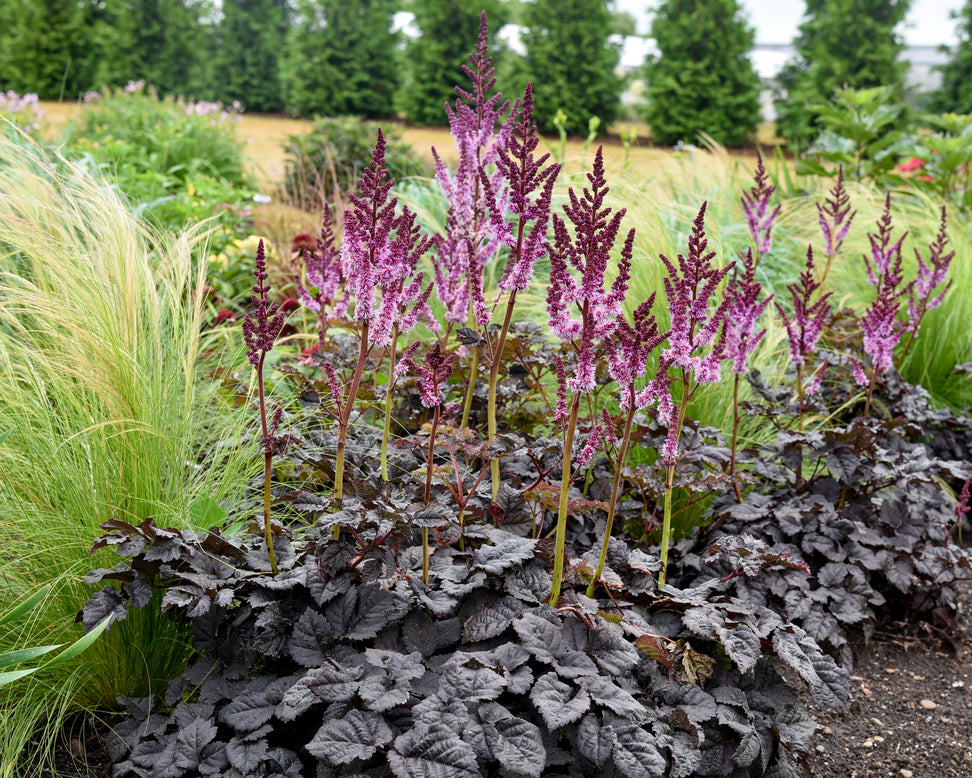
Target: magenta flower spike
{"points": [[261, 329], [745, 308], [759, 217], [835, 217], [471, 240], [806, 325], [432, 372], [322, 266], [922, 295], [881, 330]]}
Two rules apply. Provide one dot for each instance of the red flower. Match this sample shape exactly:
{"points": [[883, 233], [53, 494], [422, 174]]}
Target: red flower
{"points": [[915, 163], [223, 315]]}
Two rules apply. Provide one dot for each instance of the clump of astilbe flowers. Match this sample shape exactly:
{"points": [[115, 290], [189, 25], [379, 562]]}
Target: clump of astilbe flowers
{"points": [[696, 348], [628, 353], [530, 189], [586, 252], [880, 320], [378, 260], [260, 330], [756, 208], [923, 294], [742, 338], [835, 217], [806, 325], [432, 375], [471, 240], [322, 271]]}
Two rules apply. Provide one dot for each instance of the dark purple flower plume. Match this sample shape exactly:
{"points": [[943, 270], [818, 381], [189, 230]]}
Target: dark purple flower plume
{"points": [[628, 354], [322, 264], [471, 239], [261, 329], [835, 217], [806, 325], [881, 329], [931, 275], [745, 308], [759, 218], [524, 176], [432, 373], [586, 251]]}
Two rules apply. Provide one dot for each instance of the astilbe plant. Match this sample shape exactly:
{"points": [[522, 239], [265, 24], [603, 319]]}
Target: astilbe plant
{"points": [[756, 208], [806, 324], [378, 257], [322, 270], [696, 348], [880, 320], [260, 330], [923, 292], [530, 189], [585, 252], [835, 217]]}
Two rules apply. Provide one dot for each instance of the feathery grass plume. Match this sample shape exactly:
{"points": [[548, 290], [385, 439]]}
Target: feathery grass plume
{"points": [[745, 308], [530, 189], [805, 326], [835, 217], [432, 373], [922, 295], [880, 320], [101, 331], [586, 252], [759, 219], [696, 348], [260, 330]]}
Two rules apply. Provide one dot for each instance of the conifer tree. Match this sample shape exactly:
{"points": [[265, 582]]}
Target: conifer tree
{"points": [[571, 63], [840, 43], [702, 79], [249, 39], [955, 93], [449, 32], [340, 59]]}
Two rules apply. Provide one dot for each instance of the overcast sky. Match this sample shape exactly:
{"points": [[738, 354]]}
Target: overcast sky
{"points": [[776, 21]]}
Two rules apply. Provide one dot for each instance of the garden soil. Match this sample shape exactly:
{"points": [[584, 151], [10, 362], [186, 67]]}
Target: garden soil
{"points": [[909, 714]]}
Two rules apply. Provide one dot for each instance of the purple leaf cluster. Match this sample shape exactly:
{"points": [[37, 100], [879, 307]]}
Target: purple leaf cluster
{"points": [[806, 325], [586, 251], [835, 216], [530, 189], [322, 265], [432, 372], [745, 308], [881, 329], [261, 329], [759, 217], [380, 254], [471, 239], [931, 275]]}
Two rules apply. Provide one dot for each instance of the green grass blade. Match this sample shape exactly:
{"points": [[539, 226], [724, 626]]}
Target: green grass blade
{"points": [[30, 603], [79, 645], [25, 654], [14, 675]]}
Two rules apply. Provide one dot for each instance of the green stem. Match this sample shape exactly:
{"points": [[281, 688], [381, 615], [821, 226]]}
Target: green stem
{"points": [[428, 496], [565, 478], [666, 538], [267, 464], [345, 420], [386, 431], [735, 435], [870, 392], [615, 487], [493, 379], [471, 386]]}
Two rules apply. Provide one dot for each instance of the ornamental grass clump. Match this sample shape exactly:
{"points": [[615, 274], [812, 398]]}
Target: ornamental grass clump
{"points": [[584, 250]]}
